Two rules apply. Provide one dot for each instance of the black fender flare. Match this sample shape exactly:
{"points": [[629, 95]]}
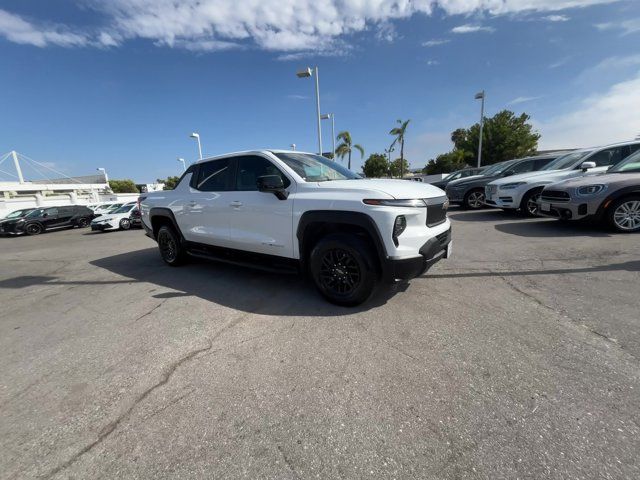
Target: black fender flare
{"points": [[164, 213], [358, 219]]}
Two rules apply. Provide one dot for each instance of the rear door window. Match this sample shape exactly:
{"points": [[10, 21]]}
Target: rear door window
{"points": [[606, 157], [214, 175]]}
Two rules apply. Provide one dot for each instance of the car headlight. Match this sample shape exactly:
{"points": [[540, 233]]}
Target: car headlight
{"points": [[511, 186], [414, 202], [590, 189]]}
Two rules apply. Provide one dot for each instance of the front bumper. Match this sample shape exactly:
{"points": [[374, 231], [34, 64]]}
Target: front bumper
{"points": [[434, 250], [455, 195], [101, 227], [494, 197], [567, 210]]}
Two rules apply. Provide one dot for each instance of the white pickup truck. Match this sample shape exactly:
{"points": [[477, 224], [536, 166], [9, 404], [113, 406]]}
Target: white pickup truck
{"points": [[299, 212]]}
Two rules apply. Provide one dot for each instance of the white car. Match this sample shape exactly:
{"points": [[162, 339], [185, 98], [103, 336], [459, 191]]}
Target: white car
{"points": [[106, 208], [123, 218], [295, 211], [522, 192]]}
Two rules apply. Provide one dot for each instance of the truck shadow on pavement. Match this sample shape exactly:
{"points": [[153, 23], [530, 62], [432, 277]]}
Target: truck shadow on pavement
{"points": [[240, 288], [552, 228]]}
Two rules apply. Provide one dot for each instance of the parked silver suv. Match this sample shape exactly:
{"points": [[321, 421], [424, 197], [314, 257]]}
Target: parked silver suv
{"points": [[613, 197]]}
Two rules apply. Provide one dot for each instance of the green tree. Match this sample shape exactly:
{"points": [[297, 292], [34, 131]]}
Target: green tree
{"points": [[123, 186], [375, 166], [399, 133], [169, 182], [398, 167], [505, 136], [346, 147], [448, 162]]}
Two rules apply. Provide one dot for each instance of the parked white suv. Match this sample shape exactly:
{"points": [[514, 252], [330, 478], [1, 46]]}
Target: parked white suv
{"points": [[523, 191], [295, 211]]}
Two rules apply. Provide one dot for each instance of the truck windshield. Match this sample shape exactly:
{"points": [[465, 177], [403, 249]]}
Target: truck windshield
{"points": [[314, 168]]}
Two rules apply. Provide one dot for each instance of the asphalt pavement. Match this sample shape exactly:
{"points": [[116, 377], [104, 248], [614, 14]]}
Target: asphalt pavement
{"points": [[518, 358]]}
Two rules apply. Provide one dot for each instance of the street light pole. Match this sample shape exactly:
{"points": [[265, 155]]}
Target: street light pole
{"points": [[106, 177], [308, 73], [480, 96], [184, 165], [197, 137], [293, 147]]}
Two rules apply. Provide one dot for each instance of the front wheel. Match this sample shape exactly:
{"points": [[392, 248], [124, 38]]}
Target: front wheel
{"points": [[342, 267], [529, 205], [83, 223], [33, 229], [474, 199], [624, 214], [125, 224], [171, 249]]}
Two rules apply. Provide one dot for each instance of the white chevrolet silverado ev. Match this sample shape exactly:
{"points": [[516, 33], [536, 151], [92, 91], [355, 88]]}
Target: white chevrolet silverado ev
{"points": [[300, 212]]}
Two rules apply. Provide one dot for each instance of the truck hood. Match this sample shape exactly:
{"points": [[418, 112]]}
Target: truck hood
{"points": [[399, 189]]}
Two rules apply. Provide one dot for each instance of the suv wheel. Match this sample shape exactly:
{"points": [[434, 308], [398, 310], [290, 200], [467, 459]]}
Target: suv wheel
{"points": [[474, 199], [171, 250], [624, 214], [33, 229], [342, 269], [125, 224], [529, 204], [83, 222]]}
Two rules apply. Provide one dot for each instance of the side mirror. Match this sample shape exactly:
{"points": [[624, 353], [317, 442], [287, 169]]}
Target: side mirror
{"points": [[272, 184], [587, 165]]}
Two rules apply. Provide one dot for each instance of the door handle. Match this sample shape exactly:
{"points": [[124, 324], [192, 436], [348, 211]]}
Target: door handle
{"points": [[236, 203]]}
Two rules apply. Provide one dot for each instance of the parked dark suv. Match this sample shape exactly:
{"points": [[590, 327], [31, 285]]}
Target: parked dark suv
{"points": [[469, 192], [49, 218], [458, 174]]}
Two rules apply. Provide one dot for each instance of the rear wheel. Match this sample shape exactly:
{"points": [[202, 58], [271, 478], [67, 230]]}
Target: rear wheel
{"points": [[83, 222], [171, 249], [624, 214], [474, 199], [125, 224], [529, 204], [33, 229], [342, 267]]}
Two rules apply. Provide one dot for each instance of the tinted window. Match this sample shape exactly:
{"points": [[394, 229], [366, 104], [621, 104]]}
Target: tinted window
{"points": [[608, 156], [252, 167], [51, 212], [214, 176], [541, 163], [634, 148], [66, 211], [522, 167]]}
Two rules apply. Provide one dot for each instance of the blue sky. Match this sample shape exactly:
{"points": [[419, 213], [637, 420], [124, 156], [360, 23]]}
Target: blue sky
{"points": [[122, 86]]}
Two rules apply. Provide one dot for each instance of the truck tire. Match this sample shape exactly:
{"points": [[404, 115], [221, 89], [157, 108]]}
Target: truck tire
{"points": [[171, 249], [342, 267]]}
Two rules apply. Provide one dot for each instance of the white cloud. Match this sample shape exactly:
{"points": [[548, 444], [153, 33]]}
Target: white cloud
{"points": [[560, 63], [627, 27], [468, 28], [519, 100], [297, 97], [556, 18], [435, 42], [18, 30], [278, 25], [599, 119], [433, 63]]}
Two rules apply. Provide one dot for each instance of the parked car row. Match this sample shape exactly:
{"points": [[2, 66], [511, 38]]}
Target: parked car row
{"points": [[34, 221], [601, 183]]}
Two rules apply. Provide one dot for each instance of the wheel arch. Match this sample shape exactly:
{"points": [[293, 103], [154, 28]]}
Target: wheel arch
{"points": [[159, 216], [633, 190], [313, 225]]}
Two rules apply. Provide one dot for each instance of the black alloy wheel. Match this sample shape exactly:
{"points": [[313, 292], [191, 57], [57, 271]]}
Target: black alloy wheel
{"points": [[339, 272], [83, 222], [33, 229], [170, 248]]}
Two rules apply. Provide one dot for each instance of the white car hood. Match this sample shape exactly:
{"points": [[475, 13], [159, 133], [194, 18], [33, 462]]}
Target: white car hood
{"points": [[399, 189]]}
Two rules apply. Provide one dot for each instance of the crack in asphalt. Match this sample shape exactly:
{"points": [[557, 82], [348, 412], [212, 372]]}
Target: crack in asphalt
{"points": [[149, 312]]}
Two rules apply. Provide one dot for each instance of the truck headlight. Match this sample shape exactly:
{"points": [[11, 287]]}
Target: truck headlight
{"points": [[398, 227], [414, 202], [511, 186], [590, 190]]}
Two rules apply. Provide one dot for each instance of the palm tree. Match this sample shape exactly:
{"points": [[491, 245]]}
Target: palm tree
{"points": [[399, 133], [346, 147]]}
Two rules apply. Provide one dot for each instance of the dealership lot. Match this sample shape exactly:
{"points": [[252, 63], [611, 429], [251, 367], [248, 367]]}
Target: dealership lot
{"points": [[517, 358]]}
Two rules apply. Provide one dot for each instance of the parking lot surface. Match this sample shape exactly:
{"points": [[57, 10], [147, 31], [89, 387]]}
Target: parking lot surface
{"points": [[517, 358]]}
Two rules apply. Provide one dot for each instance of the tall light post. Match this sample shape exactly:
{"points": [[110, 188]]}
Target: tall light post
{"points": [[480, 96], [293, 147], [197, 137], [331, 116], [104, 172], [184, 165], [307, 72]]}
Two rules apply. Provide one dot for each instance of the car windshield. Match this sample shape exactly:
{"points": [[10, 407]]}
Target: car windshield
{"points": [[630, 165], [18, 214], [498, 168], [567, 161], [314, 168], [124, 209]]}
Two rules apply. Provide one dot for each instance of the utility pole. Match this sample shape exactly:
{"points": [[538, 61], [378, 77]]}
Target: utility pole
{"points": [[480, 96], [14, 155]]}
